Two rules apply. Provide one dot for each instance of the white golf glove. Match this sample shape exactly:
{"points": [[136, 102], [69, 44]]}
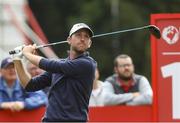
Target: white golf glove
{"points": [[18, 53]]}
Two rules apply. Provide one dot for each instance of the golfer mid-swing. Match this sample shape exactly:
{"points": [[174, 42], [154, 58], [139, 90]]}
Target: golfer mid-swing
{"points": [[70, 80]]}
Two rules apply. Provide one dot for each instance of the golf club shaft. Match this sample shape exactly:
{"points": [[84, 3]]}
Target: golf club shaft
{"points": [[51, 44], [99, 35], [122, 31], [95, 36]]}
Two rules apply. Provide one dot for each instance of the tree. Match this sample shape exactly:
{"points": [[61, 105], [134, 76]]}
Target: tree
{"points": [[57, 16]]}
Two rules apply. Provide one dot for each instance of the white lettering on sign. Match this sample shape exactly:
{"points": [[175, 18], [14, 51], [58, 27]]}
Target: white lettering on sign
{"points": [[173, 70]]}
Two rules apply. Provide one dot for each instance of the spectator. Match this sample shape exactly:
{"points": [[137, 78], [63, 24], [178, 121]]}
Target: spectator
{"points": [[12, 95], [33, 69], [133, 88], [97, 97]]}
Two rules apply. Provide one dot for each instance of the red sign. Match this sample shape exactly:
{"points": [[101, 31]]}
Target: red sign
{"points": [[166, 67]]}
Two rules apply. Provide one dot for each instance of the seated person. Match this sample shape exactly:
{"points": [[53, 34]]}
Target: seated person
{"points": [[97, 97], [12, 95], [33, 69], [133, 88]]}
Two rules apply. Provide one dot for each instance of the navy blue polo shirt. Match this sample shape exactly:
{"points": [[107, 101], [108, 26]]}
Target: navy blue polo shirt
{"points": [[70, 84]]}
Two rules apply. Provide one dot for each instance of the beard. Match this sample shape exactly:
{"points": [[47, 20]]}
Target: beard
{"points": [[77, 50], [125, 78]]}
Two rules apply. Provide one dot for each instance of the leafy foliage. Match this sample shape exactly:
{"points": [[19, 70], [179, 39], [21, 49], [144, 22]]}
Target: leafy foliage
{"points": [[57, 16]]}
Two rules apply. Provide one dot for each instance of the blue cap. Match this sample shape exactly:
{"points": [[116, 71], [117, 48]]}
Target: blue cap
{"points": [[6, 62]]}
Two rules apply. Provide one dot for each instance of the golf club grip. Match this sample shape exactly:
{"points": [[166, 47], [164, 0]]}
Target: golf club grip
{"points": [[12, 52], [17, 51], [38, 47]]}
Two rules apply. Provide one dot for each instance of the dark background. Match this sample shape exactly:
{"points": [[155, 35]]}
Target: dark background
{"points": [[56, 18]]}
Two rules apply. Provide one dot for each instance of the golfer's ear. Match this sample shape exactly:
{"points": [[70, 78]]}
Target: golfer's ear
{"points": [[68, 39], [90, 43]]}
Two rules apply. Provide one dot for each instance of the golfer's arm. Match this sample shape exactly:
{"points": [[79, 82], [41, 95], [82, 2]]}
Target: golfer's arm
{"points": [[34, 59], [22, 73]]}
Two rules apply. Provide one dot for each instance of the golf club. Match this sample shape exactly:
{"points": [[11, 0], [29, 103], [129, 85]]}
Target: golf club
{"points": [[154, 30]]}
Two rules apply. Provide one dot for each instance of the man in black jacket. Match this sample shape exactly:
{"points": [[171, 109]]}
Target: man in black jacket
{"points": [[70, 79]]}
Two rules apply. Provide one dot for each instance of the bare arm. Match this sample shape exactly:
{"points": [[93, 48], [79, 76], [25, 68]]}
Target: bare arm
{"points": [[22, 73], [28, 53]]}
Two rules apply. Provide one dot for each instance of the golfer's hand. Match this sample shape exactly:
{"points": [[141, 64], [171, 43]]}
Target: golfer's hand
{"points": [[18, 55], [29, 49]]}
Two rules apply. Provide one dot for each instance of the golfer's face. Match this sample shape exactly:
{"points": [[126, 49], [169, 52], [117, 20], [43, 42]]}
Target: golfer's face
{"points": [[80, 40]]}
